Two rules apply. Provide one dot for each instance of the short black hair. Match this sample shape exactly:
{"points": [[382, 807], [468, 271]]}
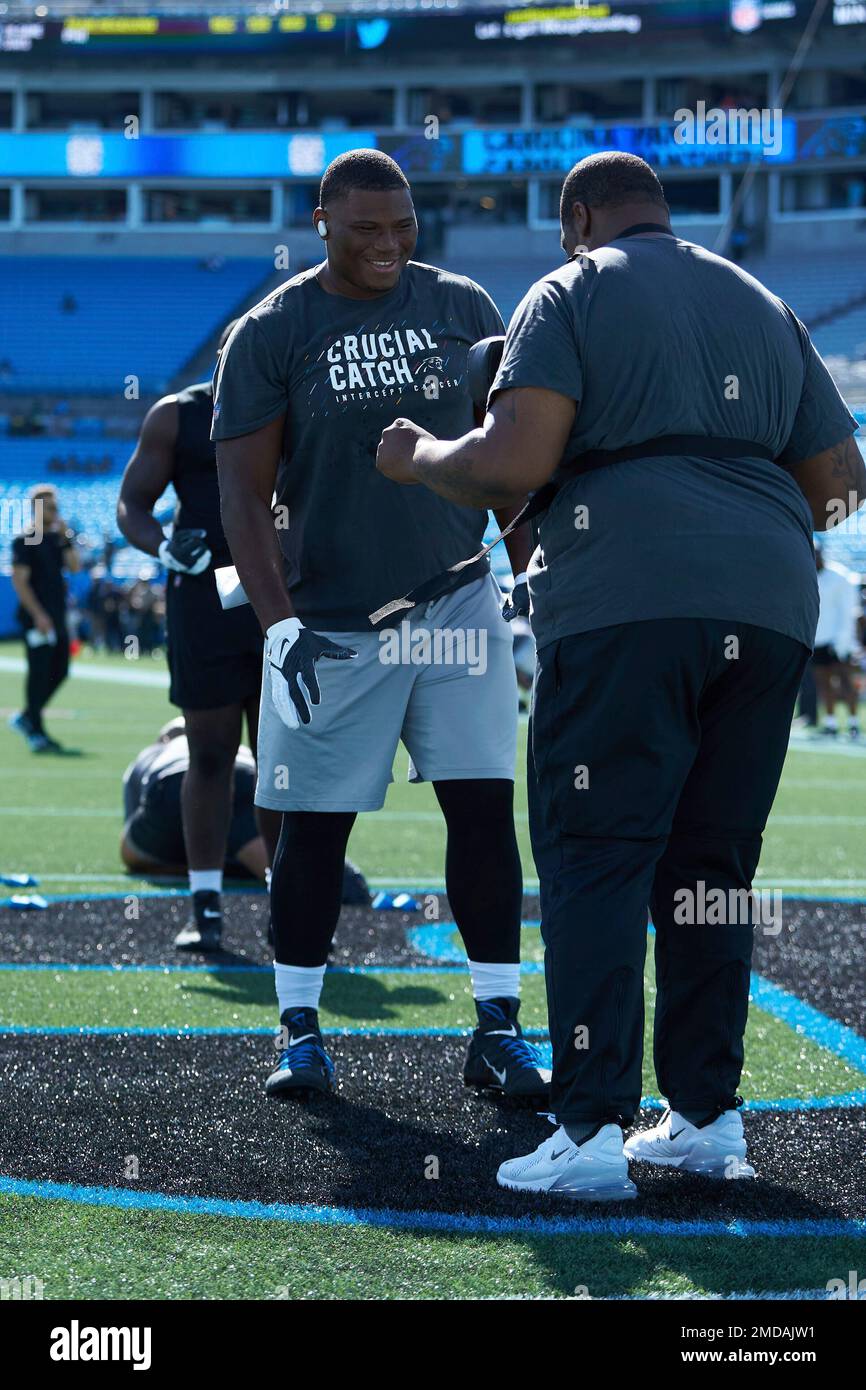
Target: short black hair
{"points": [[367, 169], [608, 180]]}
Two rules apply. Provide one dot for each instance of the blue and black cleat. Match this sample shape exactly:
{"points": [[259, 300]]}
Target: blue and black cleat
{"points": [[304, 1068], [500, 1058]]}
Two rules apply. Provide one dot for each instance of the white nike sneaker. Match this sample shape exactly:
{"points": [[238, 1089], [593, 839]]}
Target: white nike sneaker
{"points": [[594, 1171], [715, 1151]]}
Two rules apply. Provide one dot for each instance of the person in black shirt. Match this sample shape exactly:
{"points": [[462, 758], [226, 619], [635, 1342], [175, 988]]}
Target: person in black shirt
{"points": [[152, 841], [214, 655], [39, 556]]}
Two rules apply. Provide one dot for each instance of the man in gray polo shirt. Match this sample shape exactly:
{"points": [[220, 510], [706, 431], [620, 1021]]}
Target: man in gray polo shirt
{"points": [[694, 437]]}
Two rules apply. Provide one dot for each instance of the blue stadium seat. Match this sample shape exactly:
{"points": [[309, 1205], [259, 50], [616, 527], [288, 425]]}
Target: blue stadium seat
{"points": [[811, 285], [87, 499], [86, 324]]}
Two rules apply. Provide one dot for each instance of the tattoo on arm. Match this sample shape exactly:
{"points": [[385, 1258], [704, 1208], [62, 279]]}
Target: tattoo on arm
{"points": [[846, 463], [455, 480]]}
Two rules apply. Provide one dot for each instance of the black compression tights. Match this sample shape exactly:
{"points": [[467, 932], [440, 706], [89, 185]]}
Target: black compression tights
{"points": [[307, 884], [482, 874], [483, 877]]}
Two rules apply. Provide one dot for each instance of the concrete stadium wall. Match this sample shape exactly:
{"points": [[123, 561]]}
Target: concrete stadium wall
{"points": [[506, 241]]}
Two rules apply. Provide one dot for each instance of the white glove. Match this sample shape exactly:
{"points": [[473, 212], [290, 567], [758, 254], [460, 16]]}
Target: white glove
{"points": [[292, 651], [186, 552], [34, 638]]}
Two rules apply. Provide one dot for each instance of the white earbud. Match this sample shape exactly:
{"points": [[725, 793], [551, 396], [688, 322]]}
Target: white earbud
{"points": [[322, 228]]}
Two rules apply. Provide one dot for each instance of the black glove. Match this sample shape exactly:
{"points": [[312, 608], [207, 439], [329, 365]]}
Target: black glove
{"points": [[187, 552], [516, 603], [293, 651], [483, 364]]}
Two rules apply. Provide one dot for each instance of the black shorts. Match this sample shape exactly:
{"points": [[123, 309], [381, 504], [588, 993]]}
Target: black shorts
{"points": [[214, 654], [826, 655], [155, 828]]}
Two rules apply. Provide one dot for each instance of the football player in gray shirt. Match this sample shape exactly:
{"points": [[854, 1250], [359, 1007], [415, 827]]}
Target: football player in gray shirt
{"points": [[303, 389]]}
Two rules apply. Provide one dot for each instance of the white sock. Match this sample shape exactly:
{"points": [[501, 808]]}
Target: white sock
{"points": [[205, 880], [830, 722], [494, 981], [298, 986]]}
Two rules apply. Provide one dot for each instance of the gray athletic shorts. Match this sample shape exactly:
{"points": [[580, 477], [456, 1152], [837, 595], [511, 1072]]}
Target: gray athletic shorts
{"points": [[442, 680]]}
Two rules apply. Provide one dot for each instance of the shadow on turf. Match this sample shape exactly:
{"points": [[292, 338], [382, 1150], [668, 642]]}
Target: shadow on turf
{"points": [[350, 996], [385, 1160], [194, 1113]]}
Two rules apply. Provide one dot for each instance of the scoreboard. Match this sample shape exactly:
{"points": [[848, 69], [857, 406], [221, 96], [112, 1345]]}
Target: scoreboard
{"points": [[461, 26]]}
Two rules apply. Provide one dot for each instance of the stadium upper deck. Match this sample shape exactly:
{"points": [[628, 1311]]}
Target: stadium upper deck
{"points": [[202, 130], [131, 128]]}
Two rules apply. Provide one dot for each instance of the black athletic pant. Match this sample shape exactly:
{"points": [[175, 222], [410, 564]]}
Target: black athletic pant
{"points": [[47, 669], [483, 877], [809, 696], [655, 752]]}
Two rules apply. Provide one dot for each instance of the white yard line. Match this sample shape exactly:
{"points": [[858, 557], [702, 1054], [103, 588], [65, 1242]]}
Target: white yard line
{"points": [[112, 675]]}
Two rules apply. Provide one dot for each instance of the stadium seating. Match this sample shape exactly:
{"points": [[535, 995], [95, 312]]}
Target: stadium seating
{"points": [[814, 285], [505, 281], [179, 304], [44, 459], [85, 324], [845, 336], [88, 486]]}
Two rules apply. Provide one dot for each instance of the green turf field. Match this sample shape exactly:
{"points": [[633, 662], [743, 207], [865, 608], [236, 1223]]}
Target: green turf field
{"points": [[780, 1063], [63, 821], [60, 819], [111, 1254]]}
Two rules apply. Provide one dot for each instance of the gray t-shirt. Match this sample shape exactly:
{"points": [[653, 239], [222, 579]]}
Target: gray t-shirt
{"points": [[342, 370], [653, 336]]}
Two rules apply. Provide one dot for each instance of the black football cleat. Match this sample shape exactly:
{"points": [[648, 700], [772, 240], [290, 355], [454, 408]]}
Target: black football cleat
{"points": [[500, 1058], [204, 931], [304, 1068]]}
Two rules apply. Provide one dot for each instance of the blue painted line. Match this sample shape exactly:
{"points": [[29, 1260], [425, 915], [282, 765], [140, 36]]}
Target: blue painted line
{"points": [[161, 1031], [808, 1022], [847, 1101], [54, 898], [438, 940], [393, 1219], [528, 967], [73, 968], [258, 890]]}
